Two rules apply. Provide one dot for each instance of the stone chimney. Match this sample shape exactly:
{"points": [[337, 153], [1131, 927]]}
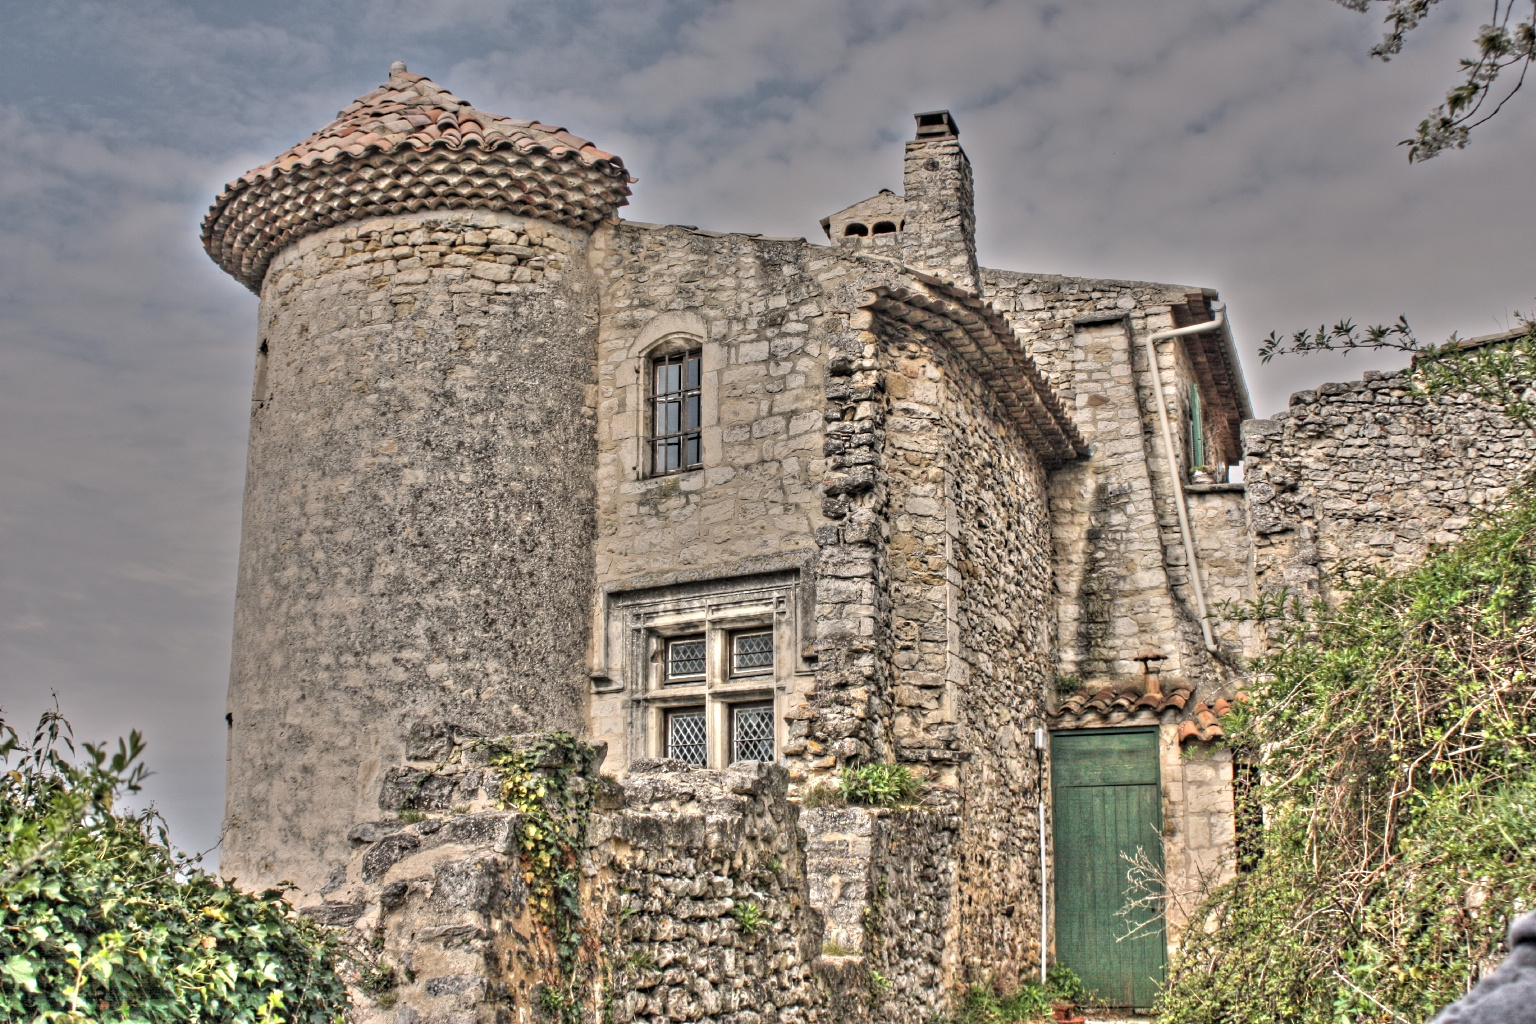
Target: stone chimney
{"points": [[940, 232]]}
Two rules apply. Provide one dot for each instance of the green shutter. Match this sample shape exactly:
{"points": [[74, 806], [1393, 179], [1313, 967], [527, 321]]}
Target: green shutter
{"points": [[1108, 803]]}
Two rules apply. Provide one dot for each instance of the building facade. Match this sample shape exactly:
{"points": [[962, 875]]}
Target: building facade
{"points": [[705, 500]]}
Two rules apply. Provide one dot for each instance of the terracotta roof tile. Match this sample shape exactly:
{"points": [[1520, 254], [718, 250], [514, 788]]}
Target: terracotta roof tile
{"points": [[1129, 699], [409, 145], [1087, 706]]}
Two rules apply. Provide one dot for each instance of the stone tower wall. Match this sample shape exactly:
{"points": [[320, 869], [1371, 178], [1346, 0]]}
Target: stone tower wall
{"points": [[418, 521]]}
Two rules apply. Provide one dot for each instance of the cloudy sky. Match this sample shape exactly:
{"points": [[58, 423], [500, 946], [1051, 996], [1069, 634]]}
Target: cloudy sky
{"points": [[1245, 145]]}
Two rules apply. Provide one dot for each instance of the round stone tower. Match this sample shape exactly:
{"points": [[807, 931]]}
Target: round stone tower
{"points": [[416, 553]]}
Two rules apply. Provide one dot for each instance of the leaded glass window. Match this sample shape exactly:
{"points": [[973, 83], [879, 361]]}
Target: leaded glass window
{"points": [[751, 652], [685, 736], [752, 732], [685, 659], [675, 412]]}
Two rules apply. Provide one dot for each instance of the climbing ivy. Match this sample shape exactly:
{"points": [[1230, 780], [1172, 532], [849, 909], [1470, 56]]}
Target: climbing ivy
{"points": [[547, 783]]}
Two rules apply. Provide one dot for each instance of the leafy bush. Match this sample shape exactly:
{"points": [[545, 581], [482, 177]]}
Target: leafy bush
{"points": [[879, 785], [1394, 739], [1029, 1002], [100, 921]]}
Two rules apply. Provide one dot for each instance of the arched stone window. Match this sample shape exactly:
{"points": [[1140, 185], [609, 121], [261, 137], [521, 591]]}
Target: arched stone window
{"points": [[855, 229], [885, 227]]}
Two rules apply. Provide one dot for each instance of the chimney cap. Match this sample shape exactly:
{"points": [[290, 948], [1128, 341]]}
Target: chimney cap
{"points": [[937, 124]]}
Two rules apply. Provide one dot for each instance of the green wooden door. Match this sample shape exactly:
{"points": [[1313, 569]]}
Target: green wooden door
{"points": [[1108, 803]]}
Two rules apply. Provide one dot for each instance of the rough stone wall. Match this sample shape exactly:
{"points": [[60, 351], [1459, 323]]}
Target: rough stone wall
{"points": [[421, 427], [695, 903], [968, 571], [847, 720], [1119, 562], [885, 881], [1371, 473], [706, 872]]}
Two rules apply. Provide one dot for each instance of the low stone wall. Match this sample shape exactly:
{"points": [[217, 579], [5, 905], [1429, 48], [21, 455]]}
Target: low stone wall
{"points": [[885, 880], [692, 885], [702, 874]]}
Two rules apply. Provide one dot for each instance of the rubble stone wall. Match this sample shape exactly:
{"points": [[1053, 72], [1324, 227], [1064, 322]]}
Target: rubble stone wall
{"points": [[420, 429], [693, 888], [1371, 473], [705, 883]]}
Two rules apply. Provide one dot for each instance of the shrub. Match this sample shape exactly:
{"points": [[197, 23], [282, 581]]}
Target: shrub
{"points": [[101, 921], [1399, 829], [879, 785]]}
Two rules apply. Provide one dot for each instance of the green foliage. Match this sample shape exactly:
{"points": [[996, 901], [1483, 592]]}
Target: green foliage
{"points": [[832, 948], [101, 921], [1470, 102], [879, 785], [1394, 737], [546, 783], [749, 916], [1029, 1002]]}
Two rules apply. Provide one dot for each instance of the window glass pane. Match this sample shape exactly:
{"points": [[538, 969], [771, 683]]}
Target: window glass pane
{"points": [[685, 658], [676, 412], [752, 652], [685, 736], [752, 732]]}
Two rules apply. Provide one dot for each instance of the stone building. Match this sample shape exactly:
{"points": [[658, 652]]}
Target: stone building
{"points": [[740, 513]]}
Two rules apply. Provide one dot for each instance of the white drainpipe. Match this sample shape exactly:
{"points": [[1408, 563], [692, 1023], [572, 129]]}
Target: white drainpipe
{"points": [[1218, 308]]}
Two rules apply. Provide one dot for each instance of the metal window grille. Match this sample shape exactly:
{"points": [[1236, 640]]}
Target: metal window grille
{"points": [[685, 659], [752, 732], [685, 736], [751, 652], [675, 414]]}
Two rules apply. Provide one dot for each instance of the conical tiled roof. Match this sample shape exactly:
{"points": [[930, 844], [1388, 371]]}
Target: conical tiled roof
{"points": [[407, 146]]}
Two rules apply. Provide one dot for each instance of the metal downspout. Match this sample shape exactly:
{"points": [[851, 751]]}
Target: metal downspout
{"points": [[1219, 309]]}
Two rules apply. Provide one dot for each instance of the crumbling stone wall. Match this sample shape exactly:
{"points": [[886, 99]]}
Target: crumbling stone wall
{"points": [[707, 873], [1371, 473], [693, 889], [421, 429]]}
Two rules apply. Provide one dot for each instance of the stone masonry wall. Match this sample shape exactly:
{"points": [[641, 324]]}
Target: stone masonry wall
{"points": [[1120, 564], [421, 428], [705, 875], [695, 903], [1371, 473], [1005, 620]]}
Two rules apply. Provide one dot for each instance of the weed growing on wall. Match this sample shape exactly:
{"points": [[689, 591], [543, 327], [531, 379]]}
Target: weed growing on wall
{"points": [[879, 785], [101, 921], [1394, 736]]}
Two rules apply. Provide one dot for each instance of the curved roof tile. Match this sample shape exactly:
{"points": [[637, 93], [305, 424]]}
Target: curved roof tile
{"points": [[409, 145]]}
